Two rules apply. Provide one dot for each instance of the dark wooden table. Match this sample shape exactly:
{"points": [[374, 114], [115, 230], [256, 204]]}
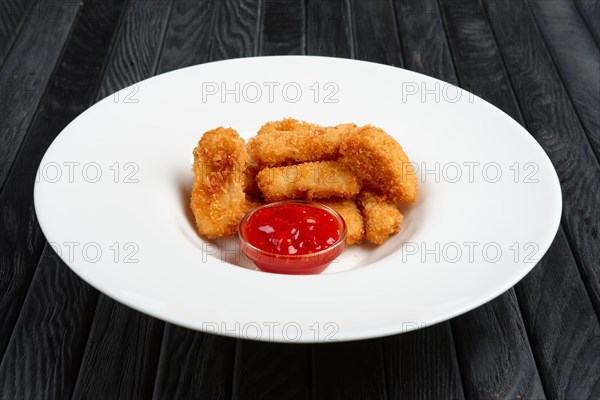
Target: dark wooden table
{"points": [[537, 60]]}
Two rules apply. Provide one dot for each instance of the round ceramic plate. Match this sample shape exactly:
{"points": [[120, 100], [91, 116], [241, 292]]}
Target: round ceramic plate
{"points": [[113, 190]]}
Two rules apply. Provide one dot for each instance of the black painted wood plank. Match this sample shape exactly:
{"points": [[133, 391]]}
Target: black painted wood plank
{"points": [[71, 90], [329, 29], [194, 365], [275, 370], [188, 36], [423, 39], [562, 326], [209, 360], [553, 122], [138, 48], [282, 28], [272, 371], [22, 84], [123, 347], [494, 352], [577, 56], [553, 309], [236, 29], [415, 359], [42, 359], [493, 349], [426, 51], [375, 32], [475, 55], [13, 14], [422, 364], [590, 12], [121, 355], [349, 370]]}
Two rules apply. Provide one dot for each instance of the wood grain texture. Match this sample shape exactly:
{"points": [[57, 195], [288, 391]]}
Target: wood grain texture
{"points": [[282, 28], [42, 359], [562, 326], [194, 365], [123, 347], [375, 32], [590, 12], [121, 354], [494, 353], [236, 29], [188, 36], [348, 370], [551, 119], [579, 65], [13, 14], [137, 50], [422, 364], [22, 84], [493, 349], [329, 29], [272, 371], [71, 90], [423, 39], [475, 54]]}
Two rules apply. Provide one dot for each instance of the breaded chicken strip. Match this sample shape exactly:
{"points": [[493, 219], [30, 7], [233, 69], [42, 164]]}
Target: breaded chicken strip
{"points": [[382, 218], [380, 163], [290, 141], [353, 218], [314, 180], [218, 198]]}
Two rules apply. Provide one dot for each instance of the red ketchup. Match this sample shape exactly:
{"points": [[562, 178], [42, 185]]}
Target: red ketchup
{"points": [[292, 237]]}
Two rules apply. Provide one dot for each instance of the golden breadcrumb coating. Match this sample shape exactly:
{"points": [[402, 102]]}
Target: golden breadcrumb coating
{"points": [[290, 141], [381, 217], [380, 163], [313, 180], [353, 218], [288, 125], [218, 199]]}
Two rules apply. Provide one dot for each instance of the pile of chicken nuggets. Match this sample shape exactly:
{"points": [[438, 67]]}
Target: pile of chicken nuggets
{"points": [[361, 172]]}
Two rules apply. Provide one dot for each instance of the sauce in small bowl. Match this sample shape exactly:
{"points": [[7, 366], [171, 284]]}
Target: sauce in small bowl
{"points": [[292, 237]]}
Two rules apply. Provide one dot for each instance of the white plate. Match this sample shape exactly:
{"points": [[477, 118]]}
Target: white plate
{"points": [[113, 190]]}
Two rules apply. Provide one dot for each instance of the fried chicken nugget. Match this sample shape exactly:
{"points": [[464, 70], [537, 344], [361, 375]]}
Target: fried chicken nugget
{"points": [[290, 141], [382, 218], [380, 163], [218, 198], [312, 180], [353, 218]]}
